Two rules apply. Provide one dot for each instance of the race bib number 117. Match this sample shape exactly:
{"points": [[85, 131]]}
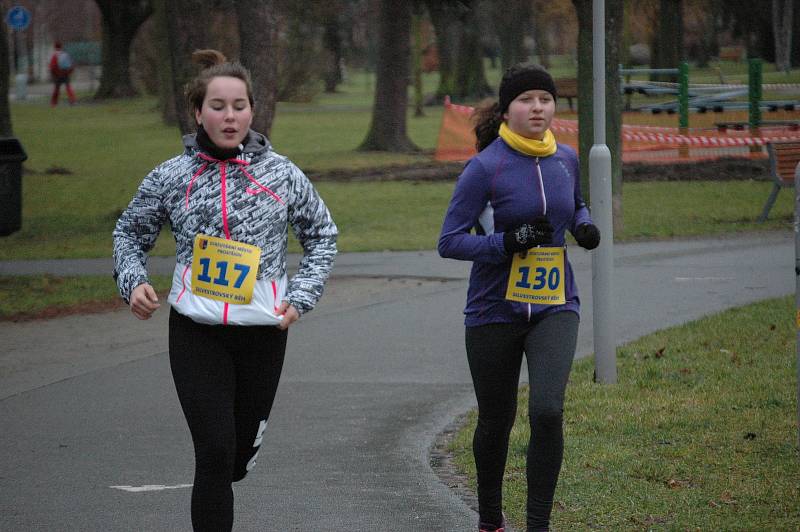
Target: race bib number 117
{"points": [[224, 270]]}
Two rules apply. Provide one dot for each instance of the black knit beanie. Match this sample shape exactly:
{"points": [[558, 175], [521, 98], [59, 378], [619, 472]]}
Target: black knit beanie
{"points": [[520, 78]]}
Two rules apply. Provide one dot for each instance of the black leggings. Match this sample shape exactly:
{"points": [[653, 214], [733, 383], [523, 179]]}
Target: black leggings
{"points": [[495, 353], [226, 378]]}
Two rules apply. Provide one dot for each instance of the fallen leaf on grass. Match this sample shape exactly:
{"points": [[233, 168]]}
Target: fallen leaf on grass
{"points": [[58, 170], [594, 467], [675, 484], [649, 520], [727, 498]]}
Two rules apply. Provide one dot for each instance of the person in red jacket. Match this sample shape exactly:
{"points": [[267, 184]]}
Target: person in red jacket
{"points": [[61, 68]]}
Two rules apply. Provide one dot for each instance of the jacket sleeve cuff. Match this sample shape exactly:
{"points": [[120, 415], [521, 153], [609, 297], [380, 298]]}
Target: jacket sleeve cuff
{"points": [[127, 282]]}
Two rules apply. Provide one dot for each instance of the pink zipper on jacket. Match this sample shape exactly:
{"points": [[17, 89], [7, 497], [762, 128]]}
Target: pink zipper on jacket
{"points": [[223, 166]]}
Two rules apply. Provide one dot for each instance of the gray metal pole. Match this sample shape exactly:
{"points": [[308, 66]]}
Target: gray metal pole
{"points": [[797, 284], [600, 182]]}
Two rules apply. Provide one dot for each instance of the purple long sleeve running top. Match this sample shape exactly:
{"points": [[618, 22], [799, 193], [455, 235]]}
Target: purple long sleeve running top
{"points": [[499, 189]]}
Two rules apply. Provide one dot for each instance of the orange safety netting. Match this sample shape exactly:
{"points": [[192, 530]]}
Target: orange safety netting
{"points": [[643, 143]]}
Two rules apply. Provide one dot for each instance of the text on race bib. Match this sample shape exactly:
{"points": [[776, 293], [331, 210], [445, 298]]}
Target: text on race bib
{"points": [[224, 270], [537, 277]]}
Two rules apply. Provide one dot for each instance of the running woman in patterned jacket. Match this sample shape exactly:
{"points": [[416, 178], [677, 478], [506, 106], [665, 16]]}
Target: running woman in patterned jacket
{"points": [[520, 194], [229, 199]]}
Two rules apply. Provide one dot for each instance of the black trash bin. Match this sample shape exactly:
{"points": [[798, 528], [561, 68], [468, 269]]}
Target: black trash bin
{"points": [[11, 157]]}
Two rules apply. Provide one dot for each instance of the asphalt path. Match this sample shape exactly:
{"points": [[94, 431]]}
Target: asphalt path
{"points": [[93, 438]]}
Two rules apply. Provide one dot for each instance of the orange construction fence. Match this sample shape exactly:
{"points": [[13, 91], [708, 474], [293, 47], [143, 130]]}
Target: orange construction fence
{"points": [[640, 143]]}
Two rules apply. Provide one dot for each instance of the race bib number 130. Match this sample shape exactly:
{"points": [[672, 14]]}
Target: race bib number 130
{"points": [[224, 270], [537, 277]]}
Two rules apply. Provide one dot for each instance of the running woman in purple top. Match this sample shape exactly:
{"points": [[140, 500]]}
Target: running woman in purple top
{"points": [[509, 213]]}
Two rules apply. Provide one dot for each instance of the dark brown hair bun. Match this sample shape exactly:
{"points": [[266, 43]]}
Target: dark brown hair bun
{"points": [[208, 58]]}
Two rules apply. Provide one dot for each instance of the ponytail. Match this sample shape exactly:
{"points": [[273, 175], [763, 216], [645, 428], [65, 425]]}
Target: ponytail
{"points": [[487, 118]]}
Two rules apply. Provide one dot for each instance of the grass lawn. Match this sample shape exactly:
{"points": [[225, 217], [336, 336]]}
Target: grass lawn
{"points": [[699, 433], [37, 296]]}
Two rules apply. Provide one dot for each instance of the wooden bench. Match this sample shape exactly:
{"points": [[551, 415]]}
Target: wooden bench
{"points": [[731, 53], [567, 88], [784, 164]]}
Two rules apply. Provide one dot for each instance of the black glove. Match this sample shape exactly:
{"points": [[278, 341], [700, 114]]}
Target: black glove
{"points": [[526, 236], [587, 236]]}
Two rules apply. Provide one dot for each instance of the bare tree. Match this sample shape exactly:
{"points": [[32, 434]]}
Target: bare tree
{"points": [[332, 37], [121, 21], [388, 129], [583, 12], [445, 25], [512, 20], [166, 96], [668, 38], [707, 45], [542, 42], [186, 32], [782, 11], [258, 34], [754, 26], [613, 30], [614, 23], [470, 76]]}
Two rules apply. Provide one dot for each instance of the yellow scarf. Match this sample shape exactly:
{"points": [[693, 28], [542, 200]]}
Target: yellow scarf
{"points": [[536, 148]]}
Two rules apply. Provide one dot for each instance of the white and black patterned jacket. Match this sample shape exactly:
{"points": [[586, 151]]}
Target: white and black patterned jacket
{"points": [[251, 199]]}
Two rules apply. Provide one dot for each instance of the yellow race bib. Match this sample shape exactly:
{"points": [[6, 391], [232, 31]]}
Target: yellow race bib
{"points": [[224, 270], [537, 277]]}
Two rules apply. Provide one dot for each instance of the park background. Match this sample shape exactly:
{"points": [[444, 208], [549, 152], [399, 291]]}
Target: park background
{"points": [[353, 92]]}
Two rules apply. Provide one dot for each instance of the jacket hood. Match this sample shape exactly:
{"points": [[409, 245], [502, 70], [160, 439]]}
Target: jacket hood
{"points": [[256, 143]]}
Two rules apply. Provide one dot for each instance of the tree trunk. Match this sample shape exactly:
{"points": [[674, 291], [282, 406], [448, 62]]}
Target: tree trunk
{"points": [[416, 30], [121, 21], [708, 43], [613, 29], [614, 24], [298, 67], [511, 22], [258, 34], [29, 41], [542, 42], [782, 29], [388, 129], [333, 44], [444, 26], [186, 32], [668, 49], [5, 112], [583, 11], [166, 99], [470, 79], [795, 57]]}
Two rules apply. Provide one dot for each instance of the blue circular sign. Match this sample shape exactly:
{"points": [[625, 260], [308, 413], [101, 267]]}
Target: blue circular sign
{"points": [[18, 18]]}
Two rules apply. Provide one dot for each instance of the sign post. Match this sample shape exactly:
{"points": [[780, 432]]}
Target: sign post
{"points": [[18, 18]]}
